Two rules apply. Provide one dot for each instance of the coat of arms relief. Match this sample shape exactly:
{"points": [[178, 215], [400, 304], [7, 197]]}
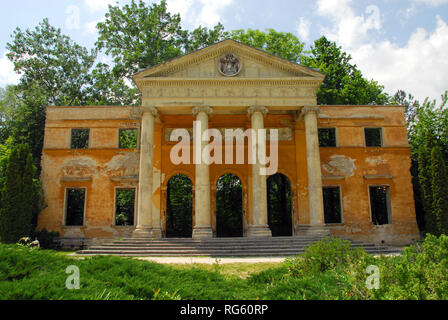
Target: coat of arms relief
{"points": [[229, 65]]}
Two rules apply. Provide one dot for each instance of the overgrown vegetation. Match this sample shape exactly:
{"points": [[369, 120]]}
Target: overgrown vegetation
{"points": [[20, 196], [428, 136], [57, 71], [329, 269]]}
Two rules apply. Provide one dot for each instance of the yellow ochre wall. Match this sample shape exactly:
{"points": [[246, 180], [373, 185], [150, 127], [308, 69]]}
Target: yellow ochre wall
{"points": [[350, 165]]}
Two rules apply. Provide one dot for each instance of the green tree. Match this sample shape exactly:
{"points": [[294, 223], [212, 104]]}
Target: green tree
{"points": [[229, 206], [439, 185], [202, 37], [8, 104], [282, 44], [409, 102], [52, 61], [17, 194], [425, 185], [279, 205], [427, 127], [344, 83], [138, 36], [54, 71], [28, 123], [179, 210]]}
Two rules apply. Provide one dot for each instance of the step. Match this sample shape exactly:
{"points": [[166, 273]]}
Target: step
{"points": [[276, 246], [208, 253]]}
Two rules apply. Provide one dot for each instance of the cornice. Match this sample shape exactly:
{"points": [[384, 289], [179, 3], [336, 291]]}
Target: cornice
{"points": [[179, 82]]}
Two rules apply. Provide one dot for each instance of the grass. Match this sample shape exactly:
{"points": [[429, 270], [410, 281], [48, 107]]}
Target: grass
{"points": [[328, 270], [240, 270]]}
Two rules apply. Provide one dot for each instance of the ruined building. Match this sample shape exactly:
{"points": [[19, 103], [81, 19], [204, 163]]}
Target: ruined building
{"points": [[347, 166]]}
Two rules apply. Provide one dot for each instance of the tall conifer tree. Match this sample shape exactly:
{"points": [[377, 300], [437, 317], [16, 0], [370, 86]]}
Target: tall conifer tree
{"points": [[439, 185], [17, 196]]}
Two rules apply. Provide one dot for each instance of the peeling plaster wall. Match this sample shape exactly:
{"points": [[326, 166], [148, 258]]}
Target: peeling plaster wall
{"points": [[354, 168], [350, 165]]}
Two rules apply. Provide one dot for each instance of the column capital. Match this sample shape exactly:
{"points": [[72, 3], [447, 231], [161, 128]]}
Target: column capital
{"points": [[150, 110], [310, 109], [254, 109], [208, 110]]}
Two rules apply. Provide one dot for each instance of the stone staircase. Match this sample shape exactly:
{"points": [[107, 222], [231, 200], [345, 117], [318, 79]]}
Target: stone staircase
{"points": [[217, 247]]}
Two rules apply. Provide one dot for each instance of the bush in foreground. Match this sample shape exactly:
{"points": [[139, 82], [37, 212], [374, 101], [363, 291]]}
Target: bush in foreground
{"points": [[329, 269]]}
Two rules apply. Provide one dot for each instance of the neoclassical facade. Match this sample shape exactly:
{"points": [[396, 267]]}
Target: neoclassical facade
{"points": [[348, 162]]}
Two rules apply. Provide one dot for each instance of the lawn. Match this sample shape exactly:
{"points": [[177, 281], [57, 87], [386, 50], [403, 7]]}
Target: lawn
{"points": [[329, 269]]}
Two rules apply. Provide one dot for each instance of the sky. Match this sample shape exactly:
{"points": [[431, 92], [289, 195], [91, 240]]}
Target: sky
{"points": [[401, 44]]}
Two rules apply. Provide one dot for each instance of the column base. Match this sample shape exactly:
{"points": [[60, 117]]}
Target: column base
{"points": [[259, 231], [312, 231], [143, 232], [157, 233], [202, 232]]}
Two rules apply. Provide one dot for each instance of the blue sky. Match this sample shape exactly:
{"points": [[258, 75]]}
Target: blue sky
{"points": [[403, 44]]}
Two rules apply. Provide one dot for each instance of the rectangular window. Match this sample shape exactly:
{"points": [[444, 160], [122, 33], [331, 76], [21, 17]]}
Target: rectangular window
{"points": [[380, 204], [128, 138], [74, 208], [327, 137], [124, 207], [79, 139], [373, 137], [332, 204]]}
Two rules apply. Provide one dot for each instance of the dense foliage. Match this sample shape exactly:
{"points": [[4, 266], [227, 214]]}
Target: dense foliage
{"points": [[57, 71], [329, 269], [179, 211], [18, 196], [428, 136], [229, 206]]}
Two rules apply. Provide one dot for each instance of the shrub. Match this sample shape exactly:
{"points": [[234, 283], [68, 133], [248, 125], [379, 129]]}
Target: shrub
{"points": [[420, 273], [330, 253]]}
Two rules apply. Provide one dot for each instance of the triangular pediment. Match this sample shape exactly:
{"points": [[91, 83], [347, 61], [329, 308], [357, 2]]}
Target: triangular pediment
{"points": [[205, 64]]}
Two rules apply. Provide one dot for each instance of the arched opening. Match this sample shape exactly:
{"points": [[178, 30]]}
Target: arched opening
{"points": [[229, 206], [179, 207], [279, 205]]}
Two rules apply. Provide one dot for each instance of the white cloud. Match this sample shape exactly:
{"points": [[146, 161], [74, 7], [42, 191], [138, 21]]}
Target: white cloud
{"points": [[211, 11], [419, 67], [90, 27], [98, 5], [303, 29], [206, 13], [7, 73], [180, 6], [433, 3], [349, 30], [408, 12]]}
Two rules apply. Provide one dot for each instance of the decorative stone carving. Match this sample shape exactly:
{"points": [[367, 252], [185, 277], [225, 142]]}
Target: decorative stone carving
{"points": [[205, 109], [229, 65], [308, 109], [254, 109], [151, 110]]}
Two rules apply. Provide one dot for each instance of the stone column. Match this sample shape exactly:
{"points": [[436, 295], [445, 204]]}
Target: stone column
{"points": [[316, 205], [259, 226], [145, 184], [203, 227]]}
